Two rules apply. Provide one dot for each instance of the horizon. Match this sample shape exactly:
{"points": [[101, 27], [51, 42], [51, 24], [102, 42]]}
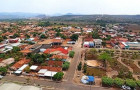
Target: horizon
{"points": [[82, 7]]}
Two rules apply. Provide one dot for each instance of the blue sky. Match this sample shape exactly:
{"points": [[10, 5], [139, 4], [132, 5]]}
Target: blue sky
{"points": [[51, 7]]}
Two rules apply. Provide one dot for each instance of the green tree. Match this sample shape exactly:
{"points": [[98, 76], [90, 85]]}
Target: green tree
{"points": [[43, 36], [71, 54], [138, 82], [16, 35], [15, 49], [44, 24], [95, 35], [107, 81], [131, 83], [27, 69], [119, 82], [58, 76], [3, 70], [79, 66], [105, 57], [66, 65], [74, 37]]}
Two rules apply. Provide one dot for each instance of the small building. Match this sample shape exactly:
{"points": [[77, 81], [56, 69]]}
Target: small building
{"points": [[98, 43], [20, 70], [7, 62]]}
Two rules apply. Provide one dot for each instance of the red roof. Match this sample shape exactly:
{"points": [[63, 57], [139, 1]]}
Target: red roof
{"points": [[20, 63], [64, 51], [56, 69], [60, 56], [55, 63]]}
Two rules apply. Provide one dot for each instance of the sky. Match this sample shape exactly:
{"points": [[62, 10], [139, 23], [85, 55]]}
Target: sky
{"points": [[51, 7]]}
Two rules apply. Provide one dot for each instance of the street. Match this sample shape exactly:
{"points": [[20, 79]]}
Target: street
{"points": [[67, 83]]}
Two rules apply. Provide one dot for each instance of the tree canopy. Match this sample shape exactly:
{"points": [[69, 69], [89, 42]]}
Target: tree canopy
{"points": [[74, 37], [58, 76]]}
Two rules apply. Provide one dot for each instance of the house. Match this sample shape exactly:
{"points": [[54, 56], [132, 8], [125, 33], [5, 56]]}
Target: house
{"points": [[55, 63], [20, 63], [98, 43], [20, 70], [131, 45], [7, 62], [59, 50]]}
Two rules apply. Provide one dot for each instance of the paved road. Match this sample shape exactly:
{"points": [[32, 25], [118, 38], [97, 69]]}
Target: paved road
{"points": [[68, 83]]}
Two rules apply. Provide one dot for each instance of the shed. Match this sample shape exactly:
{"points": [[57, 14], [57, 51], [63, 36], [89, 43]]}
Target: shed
{"points": [[33, 67]]}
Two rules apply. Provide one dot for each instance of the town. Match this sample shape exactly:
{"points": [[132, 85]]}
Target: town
{"points": [[67, 56]]}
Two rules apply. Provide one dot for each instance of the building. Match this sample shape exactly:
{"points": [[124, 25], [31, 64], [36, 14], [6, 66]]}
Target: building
{"points": [[131, 45], [98, 43]]}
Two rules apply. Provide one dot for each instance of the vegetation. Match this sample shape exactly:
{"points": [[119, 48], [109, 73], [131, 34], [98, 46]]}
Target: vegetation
{"points": [[138, 82], [119, 82], [58, 76], [66, 65], [79, 66], [3, 71], [95, 72], [131, 83], [43, 36], [71, 54], [44, 24], [105, 57], [15, 49], [107, 81], [27, 69], [74, 37], [38, 58], [95, 35], [125, 75]]}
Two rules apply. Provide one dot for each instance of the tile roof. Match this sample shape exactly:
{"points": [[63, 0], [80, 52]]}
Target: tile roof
{"points": [[20, 63], [56, 69], [55, 63]]}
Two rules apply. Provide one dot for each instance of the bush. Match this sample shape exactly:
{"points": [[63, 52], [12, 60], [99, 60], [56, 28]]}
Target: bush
{"points": [[131, 83], [138, 83], [107, 81], [79, 66], [66, 65], [119, 82], [58, 76], [27, 69], [3, 71], [71, 54]]}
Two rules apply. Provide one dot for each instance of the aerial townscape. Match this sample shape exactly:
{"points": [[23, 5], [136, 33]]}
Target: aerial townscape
{"points": [[69, 51]]}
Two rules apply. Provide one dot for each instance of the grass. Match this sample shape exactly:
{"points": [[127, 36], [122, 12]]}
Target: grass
{"points": [[115, 65], [95, 72], [130, 63]]}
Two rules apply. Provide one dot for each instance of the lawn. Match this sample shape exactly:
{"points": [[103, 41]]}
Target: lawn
{"points": [[95, 72]]}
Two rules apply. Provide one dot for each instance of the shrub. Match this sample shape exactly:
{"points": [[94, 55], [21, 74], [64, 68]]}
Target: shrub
{"points": [[119, 82], [27, 69], [66, 65], [107, 81], [131, 83], [3, 71], [71, 54], [58, 76], [79, 66], [138, 83]]}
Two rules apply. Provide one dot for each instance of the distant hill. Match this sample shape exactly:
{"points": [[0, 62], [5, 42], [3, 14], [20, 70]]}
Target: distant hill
{"points": [[97, 18], [19, 15]]}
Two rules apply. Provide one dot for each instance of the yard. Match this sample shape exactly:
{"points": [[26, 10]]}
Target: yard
{"points": [[95, 72]]}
